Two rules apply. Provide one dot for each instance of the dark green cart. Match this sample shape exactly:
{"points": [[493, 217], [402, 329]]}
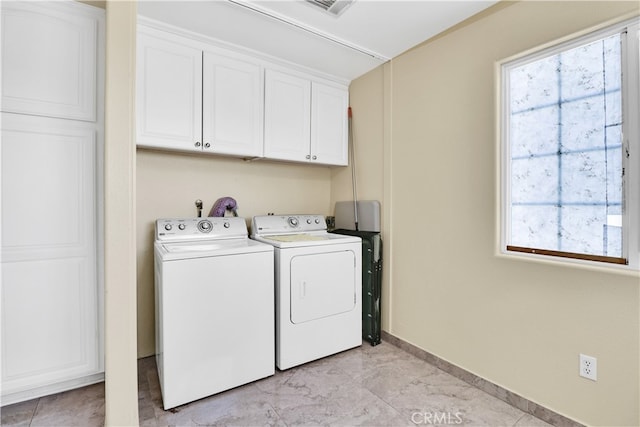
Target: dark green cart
{"points": [[371, 282]]}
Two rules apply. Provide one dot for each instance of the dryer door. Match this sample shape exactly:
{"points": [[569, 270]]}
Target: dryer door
{"points": [[322, 285]]}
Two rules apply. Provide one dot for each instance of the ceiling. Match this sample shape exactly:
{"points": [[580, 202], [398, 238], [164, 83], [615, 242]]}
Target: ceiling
{"points": [[366, 34]]}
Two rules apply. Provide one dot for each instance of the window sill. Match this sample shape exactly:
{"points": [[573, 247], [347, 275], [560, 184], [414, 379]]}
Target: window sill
{"points": [[623, 270]]}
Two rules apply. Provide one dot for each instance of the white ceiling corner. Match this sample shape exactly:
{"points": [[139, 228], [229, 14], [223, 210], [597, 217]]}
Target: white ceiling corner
{"points": [[365, 35]]}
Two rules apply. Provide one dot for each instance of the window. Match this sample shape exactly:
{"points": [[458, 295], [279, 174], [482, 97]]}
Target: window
{"points": [[569, 144]]}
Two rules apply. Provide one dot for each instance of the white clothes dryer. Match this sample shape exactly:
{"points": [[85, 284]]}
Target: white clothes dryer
{"points": [[214, 300], [318, 281]]}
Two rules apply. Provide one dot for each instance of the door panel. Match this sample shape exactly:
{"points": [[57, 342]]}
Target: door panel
{"points": [[50, 320], [287, 117], [52, 303], [329, 143], [322, 285], [169, 94], [232, 103], [47, 171], [48, 60]]}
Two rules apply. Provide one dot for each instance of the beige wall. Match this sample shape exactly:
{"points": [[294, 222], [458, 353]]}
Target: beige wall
{"points": [[121, 379], [366, 96], [518, 324], [169, 183]]}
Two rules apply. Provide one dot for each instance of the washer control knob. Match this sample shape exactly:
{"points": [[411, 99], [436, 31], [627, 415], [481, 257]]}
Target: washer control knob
{"points": [[181, 226], [317, 221], [293, 221], [309, 221], [168, 227], [205, 226], [226, 225]]}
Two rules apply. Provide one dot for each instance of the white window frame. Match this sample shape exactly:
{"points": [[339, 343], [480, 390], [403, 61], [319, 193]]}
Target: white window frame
{"points": [[631, 140]]}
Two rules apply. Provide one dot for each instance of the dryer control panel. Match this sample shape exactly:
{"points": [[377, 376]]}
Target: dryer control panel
{"points": [[179, 229], [279, 224]]}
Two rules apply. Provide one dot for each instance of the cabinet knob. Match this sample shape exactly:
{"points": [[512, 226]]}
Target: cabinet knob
{"points": [[308, 156], [207, 145], [197, 144], [315, 157]]}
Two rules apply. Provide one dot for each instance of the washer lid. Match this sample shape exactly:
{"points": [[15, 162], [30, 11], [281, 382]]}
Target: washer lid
{"points": [[209, 248]]}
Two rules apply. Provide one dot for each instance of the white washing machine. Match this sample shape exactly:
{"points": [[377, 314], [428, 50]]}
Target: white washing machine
{"points": [[318, 280], [214, 294]]}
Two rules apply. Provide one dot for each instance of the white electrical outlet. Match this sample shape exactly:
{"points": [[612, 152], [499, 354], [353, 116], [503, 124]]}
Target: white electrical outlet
{"points": [[588, 367]]}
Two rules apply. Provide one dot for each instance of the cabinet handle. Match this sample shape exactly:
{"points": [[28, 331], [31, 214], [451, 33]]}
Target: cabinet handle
{"points": [[197, 144], [207, 145], [315, 157], [308, 156]]}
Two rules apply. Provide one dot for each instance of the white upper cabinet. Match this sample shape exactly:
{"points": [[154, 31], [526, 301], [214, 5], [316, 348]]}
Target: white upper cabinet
{"points": [[329, 125], [199, 95], [169, 94], [194, 100], [49, 60], [287, 117], [305, 120], [231, 106]]}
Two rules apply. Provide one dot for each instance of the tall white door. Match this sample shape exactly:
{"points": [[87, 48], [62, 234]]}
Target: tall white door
{"points": [[51, 129], [50, 316]]}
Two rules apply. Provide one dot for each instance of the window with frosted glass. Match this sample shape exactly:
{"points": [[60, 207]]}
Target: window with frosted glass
{"points": [[565, 149]]}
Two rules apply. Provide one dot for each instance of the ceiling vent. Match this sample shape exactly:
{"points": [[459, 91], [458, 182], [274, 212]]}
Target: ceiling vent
{"points": [[333, 7]]}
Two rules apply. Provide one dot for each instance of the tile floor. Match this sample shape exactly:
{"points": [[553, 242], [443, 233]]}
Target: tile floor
{"points": [[369, 386]]}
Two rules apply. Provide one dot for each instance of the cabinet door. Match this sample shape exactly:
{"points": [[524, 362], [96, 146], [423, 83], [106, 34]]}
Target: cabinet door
{"points": [[232, 106], [50, 315], [287, 128], [49, 56], [169, 94], [329, 122]]}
